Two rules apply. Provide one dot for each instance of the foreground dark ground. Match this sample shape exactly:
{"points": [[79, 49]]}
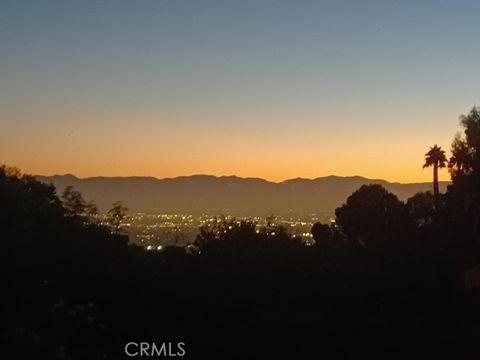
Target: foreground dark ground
{"points": [[239, 308], [74, 290]]}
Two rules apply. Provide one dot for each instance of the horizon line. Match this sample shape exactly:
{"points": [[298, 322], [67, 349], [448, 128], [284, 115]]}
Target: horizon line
{"points": [[234, 176]]}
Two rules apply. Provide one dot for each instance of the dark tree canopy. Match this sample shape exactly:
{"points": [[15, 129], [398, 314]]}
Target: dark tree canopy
{"points": [[322, 234], [231, 236], [372, 215], [421, 207], [26, 205], [464, 167], [464, 164]]}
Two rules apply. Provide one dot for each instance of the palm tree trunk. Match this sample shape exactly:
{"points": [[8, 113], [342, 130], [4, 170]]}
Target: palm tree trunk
{"points": [[435, 180]]}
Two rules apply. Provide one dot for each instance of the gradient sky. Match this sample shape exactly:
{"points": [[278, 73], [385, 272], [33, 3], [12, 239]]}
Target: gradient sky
{"points": [[272, 89]]}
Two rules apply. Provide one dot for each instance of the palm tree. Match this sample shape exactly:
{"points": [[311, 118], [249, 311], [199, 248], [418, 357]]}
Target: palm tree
{"points": [[435, 157]]}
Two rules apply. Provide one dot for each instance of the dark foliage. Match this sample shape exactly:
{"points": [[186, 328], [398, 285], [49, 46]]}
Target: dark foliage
{"points": [[323, 234], [372, 216]]}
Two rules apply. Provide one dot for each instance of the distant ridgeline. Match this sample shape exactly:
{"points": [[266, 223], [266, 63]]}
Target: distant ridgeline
{"points": [[241, 196]]}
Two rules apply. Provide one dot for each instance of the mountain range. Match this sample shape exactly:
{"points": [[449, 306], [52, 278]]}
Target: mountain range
{"points": [[226, 194]]}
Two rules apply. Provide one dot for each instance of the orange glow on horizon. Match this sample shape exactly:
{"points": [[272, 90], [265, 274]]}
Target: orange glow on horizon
{"points": [[117, 146], [268, 167]]}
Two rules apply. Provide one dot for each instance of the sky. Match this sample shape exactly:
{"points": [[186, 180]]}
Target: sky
{"points": [[271, 89]]}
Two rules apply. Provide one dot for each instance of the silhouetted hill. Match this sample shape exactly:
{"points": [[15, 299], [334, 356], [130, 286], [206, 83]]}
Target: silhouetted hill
{"points": [[239, 195]]}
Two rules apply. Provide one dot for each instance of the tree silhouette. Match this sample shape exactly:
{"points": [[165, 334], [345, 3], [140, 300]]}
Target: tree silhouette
{"points": [[231, 236], [322, 234], [464, 166], [373, 216], [91, 211], [116, 214], [73, 202], [421, 207], [435, 157], [12, 172]]}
